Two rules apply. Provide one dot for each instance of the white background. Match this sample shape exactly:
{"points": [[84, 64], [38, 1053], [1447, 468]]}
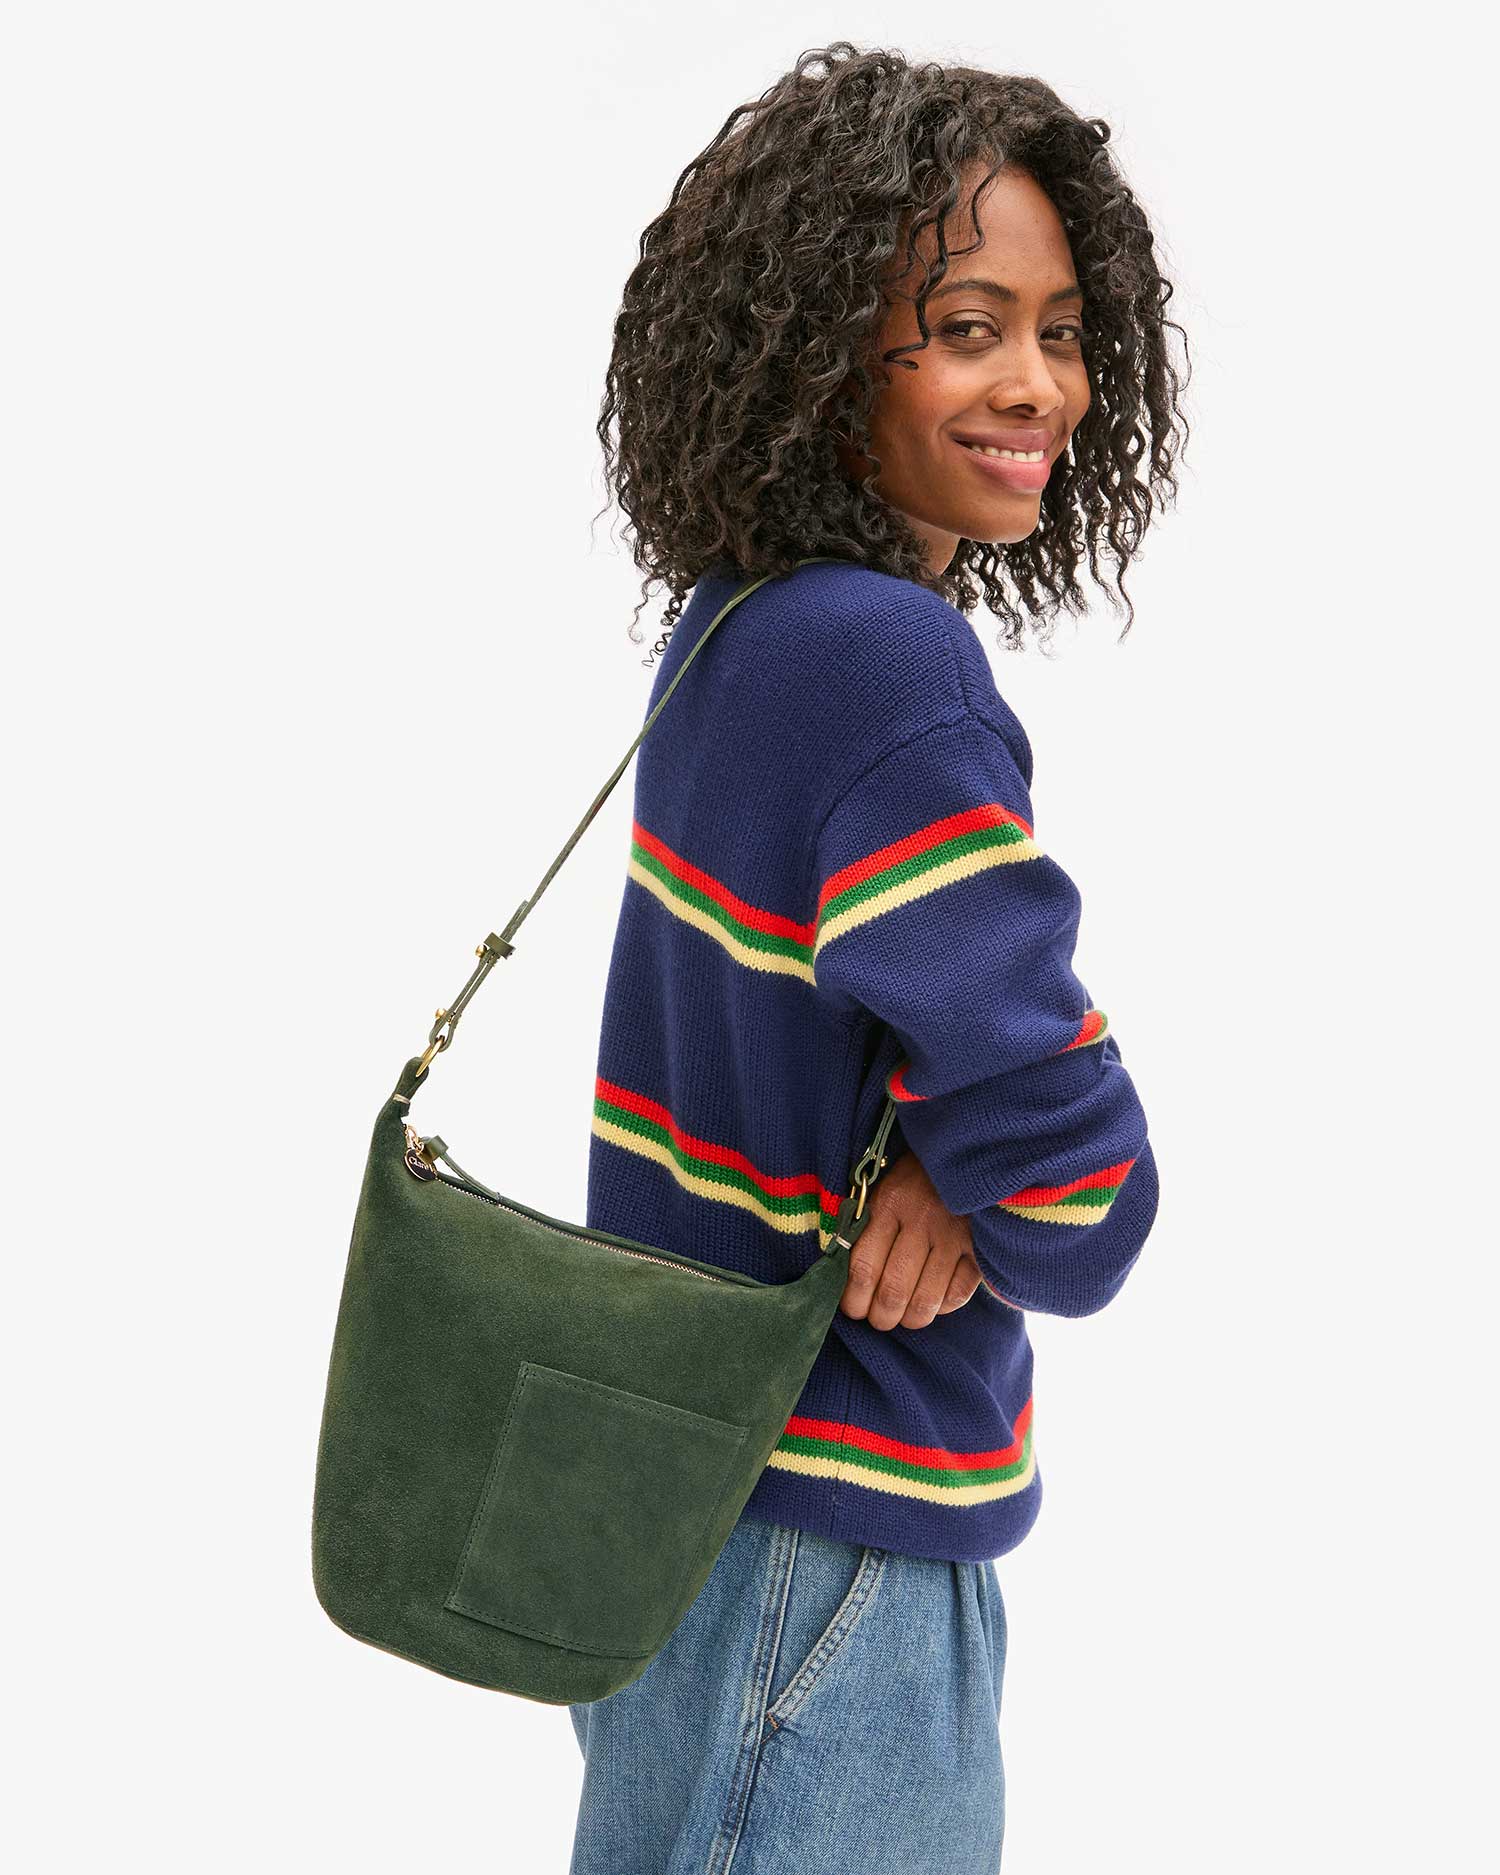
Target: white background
{"points": [[316, 654]]}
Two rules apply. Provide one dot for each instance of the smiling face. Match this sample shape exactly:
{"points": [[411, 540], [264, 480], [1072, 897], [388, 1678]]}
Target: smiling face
{"points": [[1004, 367]]}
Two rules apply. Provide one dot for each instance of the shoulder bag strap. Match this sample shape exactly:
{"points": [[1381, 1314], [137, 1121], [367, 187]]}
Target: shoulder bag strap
{"points": [[498, 944]]}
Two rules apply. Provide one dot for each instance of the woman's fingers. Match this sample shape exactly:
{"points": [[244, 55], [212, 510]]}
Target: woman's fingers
{"points": [[904, 1279], [961, 1285], [933, 1282], [867, 1263], [913, 1260], [904, 1276]]}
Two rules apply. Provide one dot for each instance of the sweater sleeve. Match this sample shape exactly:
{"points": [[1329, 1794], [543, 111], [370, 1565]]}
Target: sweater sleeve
{"points": [[940, 914]]}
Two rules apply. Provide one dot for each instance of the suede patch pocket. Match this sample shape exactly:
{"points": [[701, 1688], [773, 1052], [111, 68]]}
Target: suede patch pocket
{"points": [[592, 1515]]}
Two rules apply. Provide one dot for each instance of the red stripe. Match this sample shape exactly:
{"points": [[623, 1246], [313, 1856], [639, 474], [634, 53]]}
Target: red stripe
{"points": [[772, 923], [1091, 1181], [934, 1455], [796, 1184], [987, 814], [896, 1084], [997, 1295], [1093, 1021]]}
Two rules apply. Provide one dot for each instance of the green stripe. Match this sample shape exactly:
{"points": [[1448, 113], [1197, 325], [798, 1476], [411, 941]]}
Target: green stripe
{"points": [[788, 1205], [694, 895], [899, 1467], [979, 840], [1096, 1198]]}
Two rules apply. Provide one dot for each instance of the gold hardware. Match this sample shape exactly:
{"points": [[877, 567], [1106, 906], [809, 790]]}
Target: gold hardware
{"points": [[417, 1161], [438, 1042], [864, 1183]]}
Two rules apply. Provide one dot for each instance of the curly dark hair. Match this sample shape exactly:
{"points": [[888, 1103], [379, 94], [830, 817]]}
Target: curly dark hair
{"points": [[758, 295]]}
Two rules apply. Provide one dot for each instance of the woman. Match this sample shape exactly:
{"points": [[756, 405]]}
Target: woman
{"points": [[903, 323]]}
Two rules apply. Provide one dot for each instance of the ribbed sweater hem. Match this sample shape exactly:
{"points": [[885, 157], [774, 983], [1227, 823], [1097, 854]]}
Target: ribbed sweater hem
{"points": [[861, 1515]]}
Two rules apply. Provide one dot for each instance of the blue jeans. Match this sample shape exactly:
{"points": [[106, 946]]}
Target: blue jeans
{"points": [[823, 1708]]}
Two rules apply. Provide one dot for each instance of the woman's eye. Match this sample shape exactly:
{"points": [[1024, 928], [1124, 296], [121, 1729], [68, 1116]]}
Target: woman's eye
{"points": [[956, 328]]}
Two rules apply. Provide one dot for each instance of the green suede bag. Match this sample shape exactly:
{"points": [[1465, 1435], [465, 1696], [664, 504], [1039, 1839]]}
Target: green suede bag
{"points": [[536, 1438]]}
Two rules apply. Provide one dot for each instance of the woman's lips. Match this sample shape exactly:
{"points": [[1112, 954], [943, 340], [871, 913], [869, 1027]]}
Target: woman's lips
{"points": [[1029, 477]]}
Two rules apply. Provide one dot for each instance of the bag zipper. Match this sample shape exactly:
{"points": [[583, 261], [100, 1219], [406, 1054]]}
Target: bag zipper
{"points": [[429, 1172]]}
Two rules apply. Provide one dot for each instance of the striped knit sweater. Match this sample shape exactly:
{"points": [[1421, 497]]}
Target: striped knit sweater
{"points": [[834, 890]]}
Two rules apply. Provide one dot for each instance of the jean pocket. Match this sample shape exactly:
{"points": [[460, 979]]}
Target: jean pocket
{"points": [[816, 1561], [592, 1515]]}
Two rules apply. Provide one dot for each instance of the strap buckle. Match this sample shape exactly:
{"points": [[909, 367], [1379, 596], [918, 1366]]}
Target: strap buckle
{"points": [[489, 953]]}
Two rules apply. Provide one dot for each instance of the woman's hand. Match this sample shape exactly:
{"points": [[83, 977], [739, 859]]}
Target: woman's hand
{"points": [[914, 1259]]}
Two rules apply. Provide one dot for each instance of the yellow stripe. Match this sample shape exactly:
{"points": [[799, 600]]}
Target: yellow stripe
{"points": [[1059, 1213], [852, 1473], [794, 1223], [694, 915], [906, 890]]}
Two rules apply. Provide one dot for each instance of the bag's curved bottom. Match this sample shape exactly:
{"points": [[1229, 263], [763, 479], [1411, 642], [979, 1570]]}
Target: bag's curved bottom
{"points": [[533, 1446], [593, 1682]]}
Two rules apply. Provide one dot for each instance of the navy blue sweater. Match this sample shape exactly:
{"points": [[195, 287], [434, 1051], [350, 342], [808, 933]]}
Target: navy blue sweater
{"points": [[835, 890]]}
